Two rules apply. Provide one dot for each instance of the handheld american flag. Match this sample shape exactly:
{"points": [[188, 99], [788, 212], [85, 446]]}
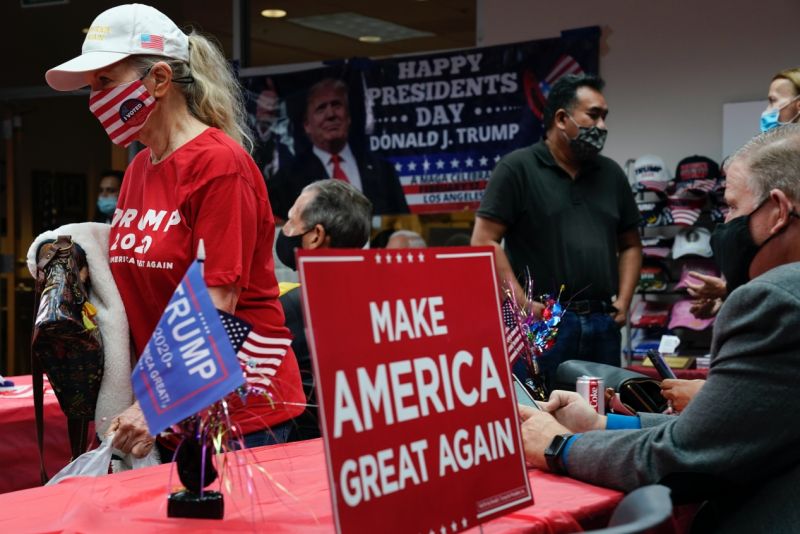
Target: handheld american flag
{"points": [[260, 356], [515, 338]]}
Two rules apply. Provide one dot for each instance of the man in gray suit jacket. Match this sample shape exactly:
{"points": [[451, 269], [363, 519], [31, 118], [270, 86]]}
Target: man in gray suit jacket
{"points": [[737, 445]]}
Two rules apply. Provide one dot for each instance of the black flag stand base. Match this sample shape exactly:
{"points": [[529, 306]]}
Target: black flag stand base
{"points": [[196, 470], [191, 505]]}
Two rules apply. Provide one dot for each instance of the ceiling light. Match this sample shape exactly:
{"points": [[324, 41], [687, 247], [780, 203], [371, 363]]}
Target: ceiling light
{"points": [[359, 27], [273, 13]]}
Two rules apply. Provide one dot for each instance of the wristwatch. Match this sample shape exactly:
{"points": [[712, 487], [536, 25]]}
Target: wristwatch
{"points": [[552, 454]]}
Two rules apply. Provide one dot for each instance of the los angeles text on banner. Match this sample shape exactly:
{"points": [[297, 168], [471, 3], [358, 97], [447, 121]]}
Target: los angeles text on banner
{"points": [[420, 400]]}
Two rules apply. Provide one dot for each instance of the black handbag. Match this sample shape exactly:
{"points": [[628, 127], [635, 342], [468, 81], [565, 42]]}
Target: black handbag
{"points": [[66, 342], [636, 391]]}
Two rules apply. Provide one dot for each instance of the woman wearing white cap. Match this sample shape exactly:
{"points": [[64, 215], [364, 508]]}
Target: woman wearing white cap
{"points": [[176, 94]]}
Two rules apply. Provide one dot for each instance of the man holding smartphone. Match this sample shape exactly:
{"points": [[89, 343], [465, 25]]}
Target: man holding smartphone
{"points": [[735, 445], [680, 392]]}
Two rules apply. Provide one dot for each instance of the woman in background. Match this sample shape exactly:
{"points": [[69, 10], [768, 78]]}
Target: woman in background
{"points": [[784, 100]]}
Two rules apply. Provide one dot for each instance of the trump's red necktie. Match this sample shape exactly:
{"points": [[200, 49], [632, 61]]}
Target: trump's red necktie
{"points": [[338, 172]]}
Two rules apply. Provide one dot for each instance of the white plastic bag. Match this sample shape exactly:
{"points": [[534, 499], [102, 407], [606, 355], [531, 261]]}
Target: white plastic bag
{"points": [[89, 464], [129, 461], [95, 462]]}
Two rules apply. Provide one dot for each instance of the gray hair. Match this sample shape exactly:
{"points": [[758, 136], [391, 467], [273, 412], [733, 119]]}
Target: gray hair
{"points": [[414, 239], [773, 159], [342, 210]]}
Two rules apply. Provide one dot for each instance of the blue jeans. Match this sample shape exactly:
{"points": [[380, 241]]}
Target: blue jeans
{"points": [[593, 337], [270, 436]]}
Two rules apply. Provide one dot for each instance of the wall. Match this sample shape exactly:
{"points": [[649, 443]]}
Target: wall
{"points": [[669, 65], [59, 134]]}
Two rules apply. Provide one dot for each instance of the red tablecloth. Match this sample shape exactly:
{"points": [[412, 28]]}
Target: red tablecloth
{"points": [[136, 501], [19, 456], [686, 374]]}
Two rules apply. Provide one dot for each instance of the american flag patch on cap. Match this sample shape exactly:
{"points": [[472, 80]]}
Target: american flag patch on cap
{"points": [[154, 42]]}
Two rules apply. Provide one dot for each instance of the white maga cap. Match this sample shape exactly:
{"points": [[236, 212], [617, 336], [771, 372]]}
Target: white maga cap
{"points": [[115, 34], [692, 241], [651, 173]]}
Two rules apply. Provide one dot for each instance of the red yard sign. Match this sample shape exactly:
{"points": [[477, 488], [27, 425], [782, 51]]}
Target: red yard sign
{"points": [[416, 404]]}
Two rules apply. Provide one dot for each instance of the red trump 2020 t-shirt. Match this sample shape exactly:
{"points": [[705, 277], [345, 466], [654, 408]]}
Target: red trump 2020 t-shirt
{"points": [[209, 188]]}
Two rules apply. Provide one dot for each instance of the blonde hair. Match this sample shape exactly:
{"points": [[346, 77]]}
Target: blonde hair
{"points": [[213, 94], [793, 75]]}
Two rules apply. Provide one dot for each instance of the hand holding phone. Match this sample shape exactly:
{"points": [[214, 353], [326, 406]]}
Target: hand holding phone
{"points": [[524, 396], [663, 370]]}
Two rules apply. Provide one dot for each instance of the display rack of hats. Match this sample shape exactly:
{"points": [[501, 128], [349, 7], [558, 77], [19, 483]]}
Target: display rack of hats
{"points": [[677, 217]]}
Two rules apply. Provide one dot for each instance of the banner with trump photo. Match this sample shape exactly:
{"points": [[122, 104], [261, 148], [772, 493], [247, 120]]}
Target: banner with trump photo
{"points": [[417, 134], [416, 405]]}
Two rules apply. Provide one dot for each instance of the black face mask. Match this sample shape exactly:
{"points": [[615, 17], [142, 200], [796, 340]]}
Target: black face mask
{"points": [[285, 246], [734, 248], [589, 141]]}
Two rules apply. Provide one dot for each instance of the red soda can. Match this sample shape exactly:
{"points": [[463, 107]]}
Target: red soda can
{"points": [[592, 388]]}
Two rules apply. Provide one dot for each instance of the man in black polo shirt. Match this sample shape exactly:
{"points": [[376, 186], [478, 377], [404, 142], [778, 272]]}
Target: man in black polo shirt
{"points": [[567, 215]]}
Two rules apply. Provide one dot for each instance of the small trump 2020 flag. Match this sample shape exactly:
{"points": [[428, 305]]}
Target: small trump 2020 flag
{"points": [[188, 363]]}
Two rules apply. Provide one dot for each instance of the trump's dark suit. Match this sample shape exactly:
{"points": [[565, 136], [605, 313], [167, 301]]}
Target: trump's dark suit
{"points": [[379, 183]]}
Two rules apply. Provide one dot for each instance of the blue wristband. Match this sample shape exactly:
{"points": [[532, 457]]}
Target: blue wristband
{"points": [[565, 451], [622, 422]]}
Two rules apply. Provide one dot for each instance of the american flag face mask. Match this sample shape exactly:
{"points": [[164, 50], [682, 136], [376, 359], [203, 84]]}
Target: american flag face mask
{"points": [[122, 110]]}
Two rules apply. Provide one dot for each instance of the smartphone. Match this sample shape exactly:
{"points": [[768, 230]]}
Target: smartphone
{"points": [[664, 370], [523, 395]]}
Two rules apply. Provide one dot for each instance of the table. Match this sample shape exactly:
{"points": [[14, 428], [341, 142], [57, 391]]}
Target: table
{"points": [[136, 501], [19, 455]]}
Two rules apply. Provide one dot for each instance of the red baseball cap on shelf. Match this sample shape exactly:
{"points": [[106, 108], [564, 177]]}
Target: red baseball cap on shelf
{"points": [[681, 317], [686, 206], [647, 314], [697, 265], [697, 173]]}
